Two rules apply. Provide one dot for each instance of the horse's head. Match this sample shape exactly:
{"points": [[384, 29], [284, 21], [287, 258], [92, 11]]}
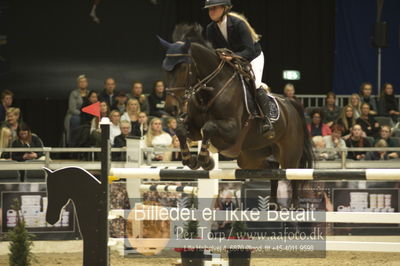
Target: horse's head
{"points": [[178, 65], [56, 198]]}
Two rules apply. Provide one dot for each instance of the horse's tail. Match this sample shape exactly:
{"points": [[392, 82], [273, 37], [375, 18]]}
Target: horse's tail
{"points": [[307, 157]]}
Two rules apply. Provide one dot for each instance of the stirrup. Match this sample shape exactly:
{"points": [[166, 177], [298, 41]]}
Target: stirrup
{"points": [[267, 129]]}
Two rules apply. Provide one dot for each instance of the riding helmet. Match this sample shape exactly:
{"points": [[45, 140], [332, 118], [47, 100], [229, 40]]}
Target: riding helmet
{"points": [[210, 3]]}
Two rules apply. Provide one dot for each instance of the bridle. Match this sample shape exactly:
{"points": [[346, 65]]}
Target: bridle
{"points": [[190, 90]]}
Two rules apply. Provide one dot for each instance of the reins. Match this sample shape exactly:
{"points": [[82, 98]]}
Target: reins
{"points": [[190, 91]]}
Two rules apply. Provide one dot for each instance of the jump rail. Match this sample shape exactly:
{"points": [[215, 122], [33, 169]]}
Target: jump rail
{"points": [[264, 174]]}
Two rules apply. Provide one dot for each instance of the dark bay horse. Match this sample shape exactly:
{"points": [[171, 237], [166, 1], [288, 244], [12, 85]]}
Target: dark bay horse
{"points": [[209, 92], [84, 190]]}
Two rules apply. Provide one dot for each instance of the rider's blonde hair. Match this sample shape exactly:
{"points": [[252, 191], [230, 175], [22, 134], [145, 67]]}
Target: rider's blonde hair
{"points": [[253, 32]]}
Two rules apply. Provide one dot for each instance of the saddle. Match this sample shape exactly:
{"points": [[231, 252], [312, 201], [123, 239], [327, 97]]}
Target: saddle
{"points": [[244, 68]]}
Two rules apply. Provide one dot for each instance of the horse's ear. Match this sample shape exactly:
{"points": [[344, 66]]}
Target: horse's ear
{"points": [[164, 43], [186, 46]]}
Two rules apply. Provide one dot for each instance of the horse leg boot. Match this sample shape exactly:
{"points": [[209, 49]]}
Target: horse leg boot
{"points": [[187, 158], [209, 129], [267, 129]]}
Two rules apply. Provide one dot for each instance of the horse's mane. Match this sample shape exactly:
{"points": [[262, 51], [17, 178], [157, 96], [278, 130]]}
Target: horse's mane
{"points": [[190, 32]]}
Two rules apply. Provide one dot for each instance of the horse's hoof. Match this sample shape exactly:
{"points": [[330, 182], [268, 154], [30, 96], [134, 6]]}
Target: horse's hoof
{"points": [[208, 166], [193, 163]]}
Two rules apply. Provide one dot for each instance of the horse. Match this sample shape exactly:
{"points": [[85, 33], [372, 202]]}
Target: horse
{"points": [[84, 190], [208, 96]]}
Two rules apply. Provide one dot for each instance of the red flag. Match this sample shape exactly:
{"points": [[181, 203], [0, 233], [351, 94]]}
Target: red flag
{"points": [[93, 109]]}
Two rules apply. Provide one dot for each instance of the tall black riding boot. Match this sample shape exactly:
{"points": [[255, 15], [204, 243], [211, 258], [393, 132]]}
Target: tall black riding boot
{"points": [[267, 129]]}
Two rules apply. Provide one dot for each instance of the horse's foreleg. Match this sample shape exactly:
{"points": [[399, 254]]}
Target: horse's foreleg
{"points": [[187, 158], [209, 129]]}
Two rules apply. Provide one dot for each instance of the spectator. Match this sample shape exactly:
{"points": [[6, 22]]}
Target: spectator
{"points": [[356, 140], [330, 111], [385, 134], [5, 141], [137, 93], [157, 100], [367, 122], [319, 143], [157, 138], [366, 97], [132, 111], [334, 141], [355, 102], [75, 101], [176, 155], [347, 119], [142, 126], [289, 93], [6, 100], [171, 126], [95, 130], [12, 120], [115, 130], [120, 140], [387, 104], [109, 93], [378, 155], [120, 102], [26, 139], [317, 127], [92, 98]]}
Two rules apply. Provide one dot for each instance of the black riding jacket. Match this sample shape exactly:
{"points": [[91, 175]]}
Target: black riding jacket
{"points": [[239, 38]]}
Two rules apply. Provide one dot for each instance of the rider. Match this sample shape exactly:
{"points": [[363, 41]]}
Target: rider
{"points": [[231, 30]]}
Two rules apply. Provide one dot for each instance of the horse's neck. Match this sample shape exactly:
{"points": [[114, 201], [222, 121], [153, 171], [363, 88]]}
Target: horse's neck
{"points": [[206, 60]]}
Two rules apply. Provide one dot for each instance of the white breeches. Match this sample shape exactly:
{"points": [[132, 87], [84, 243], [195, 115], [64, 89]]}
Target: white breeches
{"points": [[258, 66]]}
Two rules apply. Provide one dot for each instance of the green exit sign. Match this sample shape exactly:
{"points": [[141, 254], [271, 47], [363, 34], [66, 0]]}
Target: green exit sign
{"points": [[291, 75]]}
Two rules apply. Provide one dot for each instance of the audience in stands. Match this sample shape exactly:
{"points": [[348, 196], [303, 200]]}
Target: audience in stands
{"points": [[12, 120], [355, 102], [75, 101], [171, 126], [367, 122], [6, 101], [85, 118], [137, 93], [289, 93], [366, 97], [317, 127], [140, 129], [157, 100], [347, 120], [385, 134], [5, 141], [175, 155], [132, 112], [378, 155], [334, 141], [95, 129], [26, 139], [120, 102], [319, 143], [115, 129], [388, 105], [356, 140], [108, 94], [330, 111], [157, 138], [120, 140]]}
